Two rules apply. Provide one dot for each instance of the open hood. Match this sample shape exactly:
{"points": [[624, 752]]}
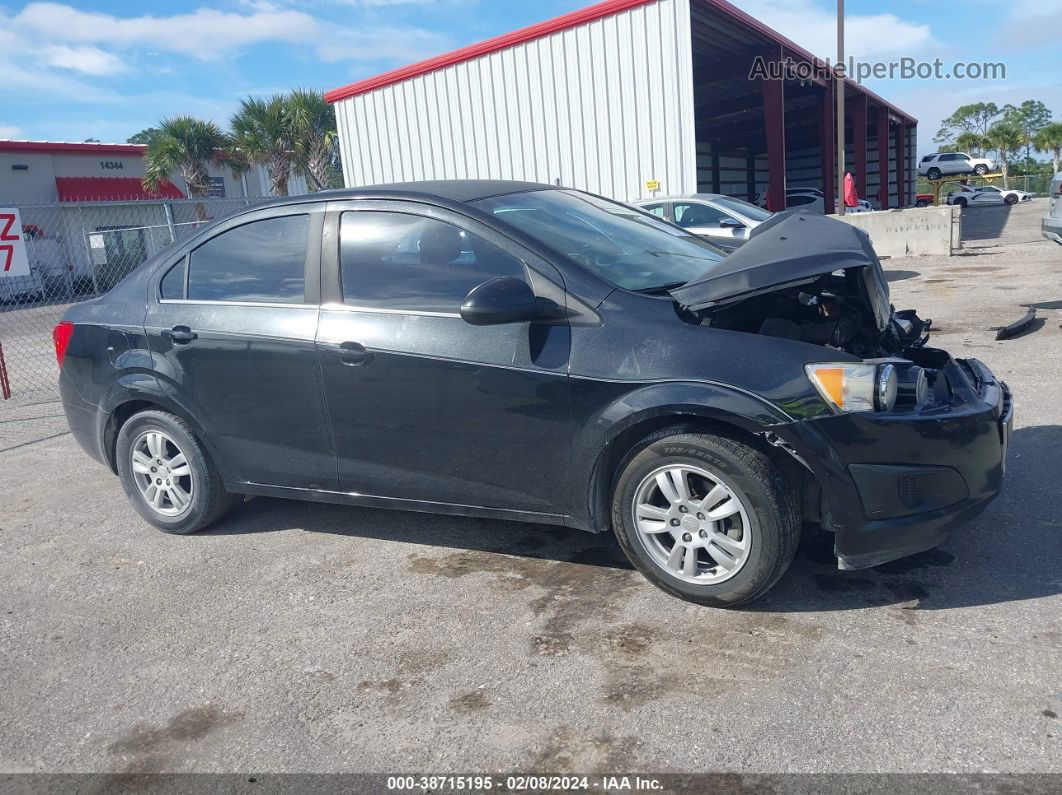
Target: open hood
{"points": [[787, 249]]}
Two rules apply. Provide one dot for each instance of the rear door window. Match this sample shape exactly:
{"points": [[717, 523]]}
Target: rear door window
{"points": [[404, 262], [259, 262]]}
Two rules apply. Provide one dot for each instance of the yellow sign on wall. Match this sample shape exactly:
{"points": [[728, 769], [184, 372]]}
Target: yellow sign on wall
{"points": [[652, 185]]}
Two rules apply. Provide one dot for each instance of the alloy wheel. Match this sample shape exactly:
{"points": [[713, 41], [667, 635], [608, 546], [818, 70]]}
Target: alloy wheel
{"points": [[692, 523], [162, 473]]}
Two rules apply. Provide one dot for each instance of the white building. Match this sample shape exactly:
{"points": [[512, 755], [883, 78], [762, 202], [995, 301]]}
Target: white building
{"points": [[626, 98]]}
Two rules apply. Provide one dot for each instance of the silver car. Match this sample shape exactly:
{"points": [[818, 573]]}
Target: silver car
{"points": [[1052, 223], [721, 219]]}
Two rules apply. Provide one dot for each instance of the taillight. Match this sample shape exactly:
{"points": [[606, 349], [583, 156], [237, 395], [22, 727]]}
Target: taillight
{"points": [[61, 335]]}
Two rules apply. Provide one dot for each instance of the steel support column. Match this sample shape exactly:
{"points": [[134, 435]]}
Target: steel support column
{"points": [[859, 142], [826, 136], [773, 92], [883, 157], [901, 164], [716, 178]]}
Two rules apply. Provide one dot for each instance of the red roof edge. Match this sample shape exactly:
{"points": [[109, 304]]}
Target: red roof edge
{"points": [[506, 40], [109, 189], [571, 20], [56, 147]]}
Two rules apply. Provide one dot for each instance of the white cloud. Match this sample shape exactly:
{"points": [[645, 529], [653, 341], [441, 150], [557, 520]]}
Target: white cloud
{"points": [[814, 28], [88, 60], [205, 33], [9, 131], [401, 45]]}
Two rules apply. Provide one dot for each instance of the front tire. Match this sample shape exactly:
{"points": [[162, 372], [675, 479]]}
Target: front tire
{"points": [[1012, 200], [960, 203], [167, 475], [705, 518], [980, 170]]}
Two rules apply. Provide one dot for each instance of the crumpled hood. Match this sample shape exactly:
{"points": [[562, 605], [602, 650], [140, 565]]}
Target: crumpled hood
{"points": [[786, 249]]}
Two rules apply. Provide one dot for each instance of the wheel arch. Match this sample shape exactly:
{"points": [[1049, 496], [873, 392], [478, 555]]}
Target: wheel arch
{"points": [[131, 401], [716, 410]]}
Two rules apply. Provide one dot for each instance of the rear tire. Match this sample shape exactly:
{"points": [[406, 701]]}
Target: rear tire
{"points": [[960, 203], [735, 559], [167, 475], [933, 173]]}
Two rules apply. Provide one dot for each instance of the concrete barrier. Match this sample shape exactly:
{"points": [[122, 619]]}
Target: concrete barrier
{"points": [[913, 232]]}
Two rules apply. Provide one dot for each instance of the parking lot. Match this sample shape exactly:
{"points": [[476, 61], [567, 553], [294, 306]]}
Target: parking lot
{"points": [[308, 637]]}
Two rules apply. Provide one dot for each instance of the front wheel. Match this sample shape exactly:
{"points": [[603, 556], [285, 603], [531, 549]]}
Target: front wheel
{"points": [[704, 517], [980, 170], [167, 475], [1011, 199], [960, 203]]}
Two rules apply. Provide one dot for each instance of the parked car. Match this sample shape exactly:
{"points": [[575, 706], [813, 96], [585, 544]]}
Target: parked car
{"points": [[923, 199], [722, 219], [1051, 226], [519, 351], [980, 195], [943, 164]]}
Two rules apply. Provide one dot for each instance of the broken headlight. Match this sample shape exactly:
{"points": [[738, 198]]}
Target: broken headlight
{"points": [[859, 386]]}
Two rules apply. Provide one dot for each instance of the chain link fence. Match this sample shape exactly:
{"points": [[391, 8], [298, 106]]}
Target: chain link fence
{"points": [[77, 252]]}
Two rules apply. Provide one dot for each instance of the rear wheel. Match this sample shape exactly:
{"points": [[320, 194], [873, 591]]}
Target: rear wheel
{"points": [[960, 203], [933, 173], [705, 517], [167, 474]]}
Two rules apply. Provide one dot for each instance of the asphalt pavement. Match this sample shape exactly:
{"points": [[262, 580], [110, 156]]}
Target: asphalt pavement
{"points": [[307, 637]]}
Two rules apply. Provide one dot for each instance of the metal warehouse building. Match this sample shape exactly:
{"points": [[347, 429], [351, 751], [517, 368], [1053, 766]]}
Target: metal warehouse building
{"points": [[621, 97]]}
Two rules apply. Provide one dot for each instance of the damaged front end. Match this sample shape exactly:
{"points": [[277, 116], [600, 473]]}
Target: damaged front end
{"points": [[908, 441]]}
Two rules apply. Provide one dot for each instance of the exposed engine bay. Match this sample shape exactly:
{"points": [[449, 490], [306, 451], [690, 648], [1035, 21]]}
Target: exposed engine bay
{"points": [[830, 311]]}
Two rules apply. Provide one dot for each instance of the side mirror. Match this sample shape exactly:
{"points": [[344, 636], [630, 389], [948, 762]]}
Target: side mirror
{"points": [[503, 299], [730, 223]]}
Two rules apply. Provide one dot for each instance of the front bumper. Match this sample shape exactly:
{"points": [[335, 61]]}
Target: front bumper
{"points": [[895, 484], [1051, 228]]}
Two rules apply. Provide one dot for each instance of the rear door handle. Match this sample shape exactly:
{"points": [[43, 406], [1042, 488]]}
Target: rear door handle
{"points": [[179, 334], [353, 354]]}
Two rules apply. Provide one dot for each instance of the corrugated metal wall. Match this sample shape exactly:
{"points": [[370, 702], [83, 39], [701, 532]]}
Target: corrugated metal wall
{"points": [[604, 107]]}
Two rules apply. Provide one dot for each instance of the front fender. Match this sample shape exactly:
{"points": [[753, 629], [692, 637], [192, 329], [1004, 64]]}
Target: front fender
{"points": [[608, 412]]}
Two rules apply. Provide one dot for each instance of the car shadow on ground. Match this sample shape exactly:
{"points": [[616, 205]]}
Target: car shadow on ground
{"points": [[1010, 553]]}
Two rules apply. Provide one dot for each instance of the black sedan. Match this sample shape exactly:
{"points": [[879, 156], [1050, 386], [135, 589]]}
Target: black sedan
{"points": [[520, 351]]}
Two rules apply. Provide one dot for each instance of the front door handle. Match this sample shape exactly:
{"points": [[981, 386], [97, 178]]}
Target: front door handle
{"points": [[353, 354], [179, 334]]}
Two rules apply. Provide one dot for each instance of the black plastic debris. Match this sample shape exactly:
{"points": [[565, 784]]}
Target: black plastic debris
{"points": [[1017, 327]]}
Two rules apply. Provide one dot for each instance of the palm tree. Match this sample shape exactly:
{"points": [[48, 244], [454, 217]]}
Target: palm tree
{"points": [[1007, 139], [1049, 139], [262, 135], [969, 141], [313, 123], [183, 145]]}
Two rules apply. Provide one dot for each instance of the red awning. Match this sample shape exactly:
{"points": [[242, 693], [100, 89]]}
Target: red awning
{"points": [[110, 189]]}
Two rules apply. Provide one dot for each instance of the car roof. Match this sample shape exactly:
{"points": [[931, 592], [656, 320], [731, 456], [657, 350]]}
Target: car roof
{"points": [[451, 190]]}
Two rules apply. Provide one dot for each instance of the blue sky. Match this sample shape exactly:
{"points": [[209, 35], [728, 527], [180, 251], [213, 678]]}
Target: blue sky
{"points": [[78, 69]]}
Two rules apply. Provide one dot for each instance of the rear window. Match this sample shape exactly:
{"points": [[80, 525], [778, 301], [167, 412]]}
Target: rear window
{"points": [[260, 262], [747, 209]]}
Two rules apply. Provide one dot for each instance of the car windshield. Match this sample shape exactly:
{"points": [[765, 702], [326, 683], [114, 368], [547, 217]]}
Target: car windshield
{"points": [[626, 247], [750, 211]]}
